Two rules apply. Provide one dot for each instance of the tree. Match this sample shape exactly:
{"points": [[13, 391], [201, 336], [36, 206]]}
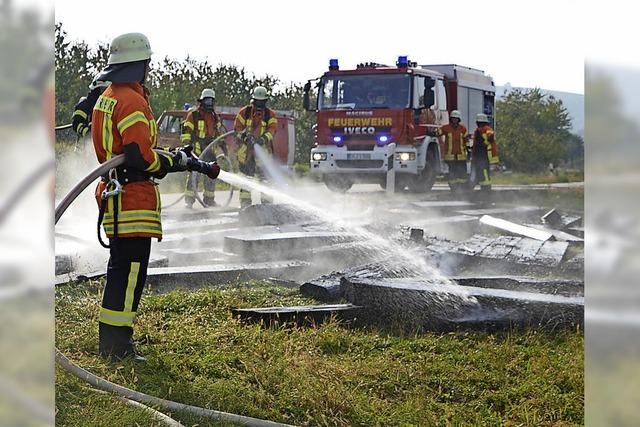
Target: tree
{"points": [[533, 131]]}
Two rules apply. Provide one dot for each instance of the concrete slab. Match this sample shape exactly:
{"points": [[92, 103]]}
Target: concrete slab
{"points": [[527, 284], [421, 305], [304, 314], [193, 276], [434, 204], [555, 218], [179, 256], [199, 225], [513, 228], [517, 210], [274, 214], [279, 245], [557, 234]]}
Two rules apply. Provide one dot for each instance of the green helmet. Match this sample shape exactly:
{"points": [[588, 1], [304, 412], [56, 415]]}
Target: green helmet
{"points": [[129, 47], [455, 114], [482, 118], [207, 93], [260, 93]]}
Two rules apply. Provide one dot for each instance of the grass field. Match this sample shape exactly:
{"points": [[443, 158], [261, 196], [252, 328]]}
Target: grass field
{"points": [[324, 375]]}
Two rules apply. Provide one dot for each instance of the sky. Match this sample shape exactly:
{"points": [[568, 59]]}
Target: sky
{"points": [[536, 43]]}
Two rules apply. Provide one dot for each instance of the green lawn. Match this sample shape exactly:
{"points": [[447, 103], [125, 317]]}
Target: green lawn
{"points": [[325, 375]]}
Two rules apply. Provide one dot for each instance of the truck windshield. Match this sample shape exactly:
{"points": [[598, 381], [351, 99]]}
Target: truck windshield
{"points": [[365, 91]]}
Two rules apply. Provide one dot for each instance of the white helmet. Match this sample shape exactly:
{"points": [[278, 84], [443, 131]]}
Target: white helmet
{"points": [[482, 118], [129, 47], [455, 114], [207, 93], [260, 93]]}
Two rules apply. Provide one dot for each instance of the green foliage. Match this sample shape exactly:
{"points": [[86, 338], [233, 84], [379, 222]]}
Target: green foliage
{"points": [[173, 82], [533, 131], [323, 375]]}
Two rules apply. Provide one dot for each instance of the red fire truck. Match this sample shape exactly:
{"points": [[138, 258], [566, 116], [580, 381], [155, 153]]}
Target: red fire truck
{"points": [[170, 128], [361, 111]]}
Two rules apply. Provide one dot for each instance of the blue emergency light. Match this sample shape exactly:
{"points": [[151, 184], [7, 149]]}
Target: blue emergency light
{"points": [[383, 139], [337, 139], [403, 62], [333, 64]]}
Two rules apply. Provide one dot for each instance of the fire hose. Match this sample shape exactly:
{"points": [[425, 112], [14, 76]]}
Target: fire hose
{"points": [[119, 390]]}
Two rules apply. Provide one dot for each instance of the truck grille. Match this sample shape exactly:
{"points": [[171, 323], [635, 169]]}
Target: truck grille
{"points": [[360, 147], [359, 164]]}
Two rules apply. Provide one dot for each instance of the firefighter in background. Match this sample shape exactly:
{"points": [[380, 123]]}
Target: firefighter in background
{"points": [[254, 124], [122, 123], [484, 154], [455, 149], [201, 126]]}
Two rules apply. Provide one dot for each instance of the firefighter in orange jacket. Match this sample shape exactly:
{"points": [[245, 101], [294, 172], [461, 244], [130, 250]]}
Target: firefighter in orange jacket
{"points": [[201, 126], [455, 149], [254, 124], [122, 123], [484, 154]]}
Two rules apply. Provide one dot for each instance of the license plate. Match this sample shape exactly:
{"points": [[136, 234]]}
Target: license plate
{"points": [[358, 156]]}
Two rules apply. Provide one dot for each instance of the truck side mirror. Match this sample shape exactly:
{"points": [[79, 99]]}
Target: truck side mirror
{"points": [[429, 98], [306, 102]]}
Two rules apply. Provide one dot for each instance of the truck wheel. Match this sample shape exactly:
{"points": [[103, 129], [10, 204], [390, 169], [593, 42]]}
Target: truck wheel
{"points": [[429, 173], [337, 183], [424, 182]]}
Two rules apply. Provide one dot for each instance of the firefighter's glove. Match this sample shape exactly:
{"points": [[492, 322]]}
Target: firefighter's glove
{"points": [[211, 169], [81, 115], [262, 141], [241, 136], [186, 149], [180, 160]]}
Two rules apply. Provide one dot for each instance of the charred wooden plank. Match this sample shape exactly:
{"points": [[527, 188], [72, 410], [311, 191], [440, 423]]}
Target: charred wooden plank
{"points": [[551, 254], [300, 314], [525, 251], [500, 247], [472, 246]]}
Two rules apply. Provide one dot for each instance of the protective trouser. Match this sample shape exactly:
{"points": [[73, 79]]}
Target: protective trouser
{"points": [[251, 168], [193, 183], [457, 173], [126, 276], [481, 172]]}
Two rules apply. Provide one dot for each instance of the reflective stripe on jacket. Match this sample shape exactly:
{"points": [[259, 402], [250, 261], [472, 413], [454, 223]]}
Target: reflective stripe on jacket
{"points": [[455, 141], [484, 143], [122, 115], [200, 127], [254, 120]]}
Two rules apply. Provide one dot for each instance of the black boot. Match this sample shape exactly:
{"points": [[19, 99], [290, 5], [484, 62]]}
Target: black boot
{"points": [[210, 202], [116, 343]]}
